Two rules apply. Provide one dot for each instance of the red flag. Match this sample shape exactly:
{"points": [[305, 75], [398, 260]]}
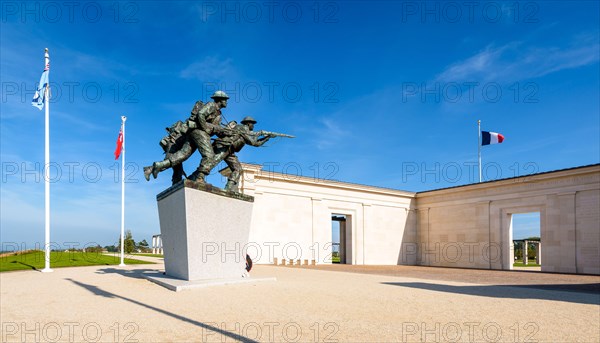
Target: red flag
{"points": [[119, 144]]}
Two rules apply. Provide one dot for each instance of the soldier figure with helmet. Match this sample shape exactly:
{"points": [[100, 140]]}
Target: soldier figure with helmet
{"points": [[233, 141], [204, 122]]}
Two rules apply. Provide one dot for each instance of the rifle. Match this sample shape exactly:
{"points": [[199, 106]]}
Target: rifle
{"points": [[230, 130], [273, 134]]}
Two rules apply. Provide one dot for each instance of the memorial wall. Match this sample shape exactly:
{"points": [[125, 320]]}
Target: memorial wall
{"points": [[466, 226]]}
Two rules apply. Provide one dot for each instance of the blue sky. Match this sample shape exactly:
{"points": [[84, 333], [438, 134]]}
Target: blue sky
{"points": [[385, 93], [526, 225]]}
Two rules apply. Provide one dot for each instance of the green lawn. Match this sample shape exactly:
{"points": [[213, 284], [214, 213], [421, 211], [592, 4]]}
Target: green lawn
{"points": [[35, 260], [149, 255], [519, 263]]}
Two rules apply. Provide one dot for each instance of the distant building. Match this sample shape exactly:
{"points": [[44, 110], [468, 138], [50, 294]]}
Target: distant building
{"points": [[157, 247]]}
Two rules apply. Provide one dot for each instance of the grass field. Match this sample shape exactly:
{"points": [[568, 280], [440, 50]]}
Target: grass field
{"points": [[35, 260], [149, 255], [519, 263]]}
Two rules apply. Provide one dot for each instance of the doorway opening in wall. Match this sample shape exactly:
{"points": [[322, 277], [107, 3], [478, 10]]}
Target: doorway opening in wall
{"points": [[338, 238], [527, 243]]}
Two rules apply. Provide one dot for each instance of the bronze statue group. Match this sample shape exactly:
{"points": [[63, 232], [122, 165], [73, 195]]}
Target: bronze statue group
{"points": [[197, 133]]}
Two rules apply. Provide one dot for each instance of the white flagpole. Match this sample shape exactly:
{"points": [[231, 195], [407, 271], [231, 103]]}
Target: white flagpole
{"points": [[47, 168], [122, 264], [479, 146]]}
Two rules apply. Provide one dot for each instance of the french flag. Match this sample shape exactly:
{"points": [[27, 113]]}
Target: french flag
{"points": [[488, 138]]}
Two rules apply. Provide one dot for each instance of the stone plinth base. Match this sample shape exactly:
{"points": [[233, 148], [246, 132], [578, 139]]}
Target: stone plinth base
{"points": [[204, 231], [182, 285]]}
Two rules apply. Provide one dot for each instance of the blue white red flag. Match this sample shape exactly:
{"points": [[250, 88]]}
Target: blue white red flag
{"points": [[488, 138]]}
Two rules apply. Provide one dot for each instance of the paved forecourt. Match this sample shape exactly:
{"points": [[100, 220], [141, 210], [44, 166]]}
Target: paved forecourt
{"points": [[109, 304]]}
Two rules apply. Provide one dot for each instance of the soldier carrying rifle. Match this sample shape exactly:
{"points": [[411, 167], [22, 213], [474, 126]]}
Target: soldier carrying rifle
{"points": [[195, 134], [233, 140], [185, 138]]}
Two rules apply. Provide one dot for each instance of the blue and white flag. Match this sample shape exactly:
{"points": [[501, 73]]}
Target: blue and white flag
{"points": [[39, 98]]}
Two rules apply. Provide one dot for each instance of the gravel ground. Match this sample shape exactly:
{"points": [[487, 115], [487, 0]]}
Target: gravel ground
{"points": [[314, 304], [519, 278]]}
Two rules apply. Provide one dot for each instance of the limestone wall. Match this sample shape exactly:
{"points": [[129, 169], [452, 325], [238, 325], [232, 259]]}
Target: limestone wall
{"points": [[467, 226], [292, 219], [478, 217]]}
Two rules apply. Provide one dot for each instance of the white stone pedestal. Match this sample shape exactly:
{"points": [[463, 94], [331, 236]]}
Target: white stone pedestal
{"points": [[204, 231]]}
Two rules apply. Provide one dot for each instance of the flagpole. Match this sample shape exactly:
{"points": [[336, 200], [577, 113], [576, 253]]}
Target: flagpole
{"points": [[47, 169], [122, 264], [479, 147]]}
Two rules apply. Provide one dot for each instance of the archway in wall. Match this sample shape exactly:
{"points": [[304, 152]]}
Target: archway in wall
{"points": [[527, 243], [340, 236]]}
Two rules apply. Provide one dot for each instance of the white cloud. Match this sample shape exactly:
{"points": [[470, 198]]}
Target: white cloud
{"points": [[211, 68], [330, 133], [518, 61]]}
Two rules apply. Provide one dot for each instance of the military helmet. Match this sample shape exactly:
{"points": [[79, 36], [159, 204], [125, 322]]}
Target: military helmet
{"points": [[248, 119], [220, 94]]}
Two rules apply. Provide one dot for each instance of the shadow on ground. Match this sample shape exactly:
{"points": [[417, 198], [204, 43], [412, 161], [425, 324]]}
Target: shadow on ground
{"points": [[100, 292], [25, 264], [133, 273], [576, 293]]}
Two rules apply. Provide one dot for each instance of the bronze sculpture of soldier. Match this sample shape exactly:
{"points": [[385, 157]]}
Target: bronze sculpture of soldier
{"points": [[232, 141], [204, 122]]}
